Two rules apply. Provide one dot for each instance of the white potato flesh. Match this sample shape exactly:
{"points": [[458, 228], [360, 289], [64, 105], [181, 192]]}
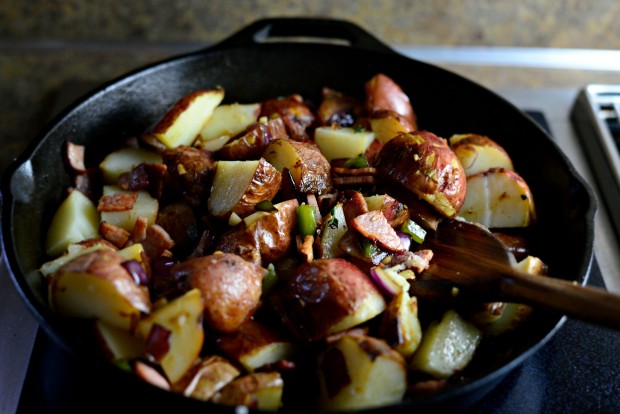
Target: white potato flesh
{"points": [[229, 120], [447, 346], [402, 315], [377, 375], [213, 145], [230, 182], [266, 354], [76, 219], [372, 305], [479, 155], [84, 295], [498, 198], [386, 128], [183, 318], [263, 389], [207, 378], [183, 123], [342, 142], [124, 160], [133, 252], [145, 206], [118, 344], [52, 266]]}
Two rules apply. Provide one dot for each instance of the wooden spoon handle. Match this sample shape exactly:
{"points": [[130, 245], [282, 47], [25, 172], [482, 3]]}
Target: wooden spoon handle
{"points": [[580, 302]]}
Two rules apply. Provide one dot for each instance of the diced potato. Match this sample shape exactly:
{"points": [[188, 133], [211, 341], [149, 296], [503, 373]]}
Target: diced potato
{"points": [[182, 124], [205, 379], [214, 144], [133, 252], [358, 372], [85, 295], [239, 185], [342, 142], [145, 206], [75, 220], [498, 198], [118, 344], [310, 170], [478, 153], [262, 391], [388, 124], [255, 345], [447, 346], [52, 266], [124, 160], [229, 120], [400, 325], [182, 317]]}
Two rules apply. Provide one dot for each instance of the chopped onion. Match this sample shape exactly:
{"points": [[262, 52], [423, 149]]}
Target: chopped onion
{"points": [[158, 342], [388, 280], [136, 270], [405, 239]]}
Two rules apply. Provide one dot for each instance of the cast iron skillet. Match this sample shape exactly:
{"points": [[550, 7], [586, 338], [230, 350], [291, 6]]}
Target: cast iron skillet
{"points": [[268, 59]]}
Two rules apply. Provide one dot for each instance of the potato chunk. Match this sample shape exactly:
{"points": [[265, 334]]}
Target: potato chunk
{"points": [[239, 185], [231, 287], [309, 168], [498, 198], [424, 164], [184, 121], [124, 160], [229, 120], [75, 220], [262, 391], [181, 321], [342, 142], [358, 372], [447, 346], [479, 153], [328, 296]]}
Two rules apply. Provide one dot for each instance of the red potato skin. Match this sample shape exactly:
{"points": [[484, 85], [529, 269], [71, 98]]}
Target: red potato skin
{"points": [[382, 93], [424, 164], [295, 113], [319, 294], [230, 287], [189, 173]]}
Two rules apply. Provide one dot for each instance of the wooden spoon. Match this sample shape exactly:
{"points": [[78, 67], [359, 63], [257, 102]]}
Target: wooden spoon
{"points": [[470, 263]]}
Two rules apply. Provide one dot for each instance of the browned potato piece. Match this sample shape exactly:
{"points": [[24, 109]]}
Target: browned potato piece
{"points": [[310, 170], [239, 185], [296, 115], [383, 93], [230, 287], [252, 142], [359, 371], [96, 285], [205, 379], [267, 239], [255, 345], [174, 334], [262, 391], [479, 153], [425, 165], [184, 121], [387, 124], [328, 296], [190, 171], [338, 108]]}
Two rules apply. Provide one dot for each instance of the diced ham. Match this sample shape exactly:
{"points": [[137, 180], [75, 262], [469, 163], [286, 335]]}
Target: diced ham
{"points": [[117, 202], [304, 247], [138, 233], [148, 177], [75, 157], [114, 234], [374, 226], [417, 261], [157, 241], [353, 205]]}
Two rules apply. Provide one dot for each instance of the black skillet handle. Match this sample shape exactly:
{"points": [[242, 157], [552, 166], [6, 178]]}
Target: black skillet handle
{"points": [[297, 29]]}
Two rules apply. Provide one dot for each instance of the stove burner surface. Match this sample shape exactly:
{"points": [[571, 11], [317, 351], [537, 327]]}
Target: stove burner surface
{"points": [[596, 118]]}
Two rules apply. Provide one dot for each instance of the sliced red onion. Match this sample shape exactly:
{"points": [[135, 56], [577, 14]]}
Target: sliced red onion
{"points": [[158, 342], [136, 270], [405, 239], [388, 281]]}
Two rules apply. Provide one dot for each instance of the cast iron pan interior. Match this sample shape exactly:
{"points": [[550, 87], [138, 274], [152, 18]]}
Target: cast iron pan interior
{"points": [[251, 67]]}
